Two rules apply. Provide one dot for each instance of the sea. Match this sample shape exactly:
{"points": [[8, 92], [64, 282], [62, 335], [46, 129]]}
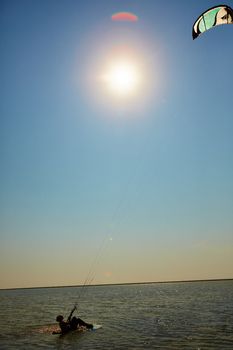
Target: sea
{"points": [[178, 315]]}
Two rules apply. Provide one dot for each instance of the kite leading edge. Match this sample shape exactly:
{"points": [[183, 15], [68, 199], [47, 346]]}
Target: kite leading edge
{"points": [[217, 15]]}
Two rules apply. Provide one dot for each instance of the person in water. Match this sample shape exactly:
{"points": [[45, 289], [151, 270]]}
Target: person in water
{"points": [[72, 323]]}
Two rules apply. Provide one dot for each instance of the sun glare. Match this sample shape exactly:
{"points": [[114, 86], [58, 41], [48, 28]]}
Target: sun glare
{"points": [[122, 78]]}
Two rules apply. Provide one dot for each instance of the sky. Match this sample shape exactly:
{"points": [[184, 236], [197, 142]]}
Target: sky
{"points": [[104, 188]]}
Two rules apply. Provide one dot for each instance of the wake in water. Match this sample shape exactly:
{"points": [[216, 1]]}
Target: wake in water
{"points": [[55, 329], [48, 329]]}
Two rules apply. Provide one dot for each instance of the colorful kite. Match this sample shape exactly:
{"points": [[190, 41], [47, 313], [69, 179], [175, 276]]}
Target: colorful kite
{"points": [[221, 14], [124, 16]]}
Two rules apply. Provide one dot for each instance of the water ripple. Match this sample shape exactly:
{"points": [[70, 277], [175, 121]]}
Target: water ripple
{"points": [[151, 316]]}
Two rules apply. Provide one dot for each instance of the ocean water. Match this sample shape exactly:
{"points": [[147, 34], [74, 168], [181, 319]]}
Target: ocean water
{"points": [[190, 315]]}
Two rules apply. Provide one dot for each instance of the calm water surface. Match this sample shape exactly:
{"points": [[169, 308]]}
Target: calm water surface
{"points": [[150, 316]]}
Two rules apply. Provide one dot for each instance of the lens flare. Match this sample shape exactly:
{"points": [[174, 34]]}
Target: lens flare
{"points": [[124, 16]]}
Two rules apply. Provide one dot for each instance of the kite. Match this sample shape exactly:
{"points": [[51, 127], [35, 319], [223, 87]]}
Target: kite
{"points": [[221, 14], [124, 16]]}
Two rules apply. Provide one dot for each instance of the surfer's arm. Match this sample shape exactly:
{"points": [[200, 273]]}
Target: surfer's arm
{"points": [[70, 315]]}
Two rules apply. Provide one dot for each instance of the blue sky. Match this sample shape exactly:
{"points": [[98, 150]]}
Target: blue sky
{"points": [[155, 174]]}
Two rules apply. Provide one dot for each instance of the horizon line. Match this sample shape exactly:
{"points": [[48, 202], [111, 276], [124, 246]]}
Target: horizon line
{"points": [[122, 283]]}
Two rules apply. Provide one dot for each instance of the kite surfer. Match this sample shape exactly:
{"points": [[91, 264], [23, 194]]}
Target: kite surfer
{"points": [[72, 323]]}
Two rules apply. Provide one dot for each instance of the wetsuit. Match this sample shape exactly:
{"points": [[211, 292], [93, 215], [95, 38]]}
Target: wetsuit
{"points": [[77, 322], [65, 326]]}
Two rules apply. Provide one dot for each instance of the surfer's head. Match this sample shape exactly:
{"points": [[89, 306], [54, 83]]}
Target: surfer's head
{"points": [[59, 318]]}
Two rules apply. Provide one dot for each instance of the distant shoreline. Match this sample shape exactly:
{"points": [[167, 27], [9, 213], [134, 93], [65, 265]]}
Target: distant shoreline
{"points": [[122, 284]]}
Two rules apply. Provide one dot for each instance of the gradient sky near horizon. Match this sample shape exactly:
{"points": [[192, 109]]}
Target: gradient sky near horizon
{"points": [[141, 187]]}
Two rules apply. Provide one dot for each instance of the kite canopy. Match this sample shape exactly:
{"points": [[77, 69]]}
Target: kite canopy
{"points": [[221, 14], [124, 16]]}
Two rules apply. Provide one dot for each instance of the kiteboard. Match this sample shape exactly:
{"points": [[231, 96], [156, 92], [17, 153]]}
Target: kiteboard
{"points": [[96, 326]]}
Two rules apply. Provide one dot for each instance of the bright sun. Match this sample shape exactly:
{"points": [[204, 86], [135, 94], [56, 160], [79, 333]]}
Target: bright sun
{"points": [[122, 78]]}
